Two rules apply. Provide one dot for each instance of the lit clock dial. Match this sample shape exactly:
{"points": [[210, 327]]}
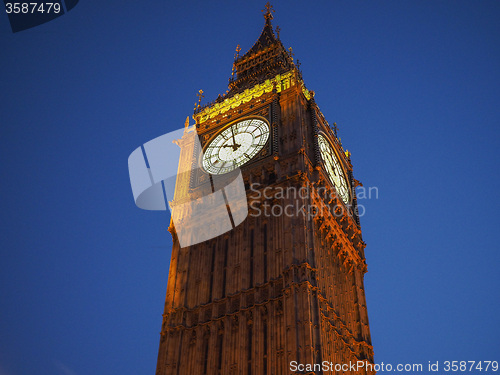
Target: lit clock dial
{"points": [[235, 146], [334, 169]]}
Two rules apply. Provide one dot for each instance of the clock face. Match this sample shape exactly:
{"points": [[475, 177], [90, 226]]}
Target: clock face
{"points": [[332, 166], [235, 146]]}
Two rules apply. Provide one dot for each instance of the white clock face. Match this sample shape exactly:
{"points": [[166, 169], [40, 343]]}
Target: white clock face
{"points": [[235, 145], [332, 166]]}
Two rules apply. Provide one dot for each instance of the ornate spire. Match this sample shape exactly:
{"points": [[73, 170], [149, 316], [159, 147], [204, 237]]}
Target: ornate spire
{"points": [[267, 37], [264, 60]]}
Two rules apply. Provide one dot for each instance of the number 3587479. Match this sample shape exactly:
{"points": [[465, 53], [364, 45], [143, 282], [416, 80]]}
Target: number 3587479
{"points": [[25, 8]]}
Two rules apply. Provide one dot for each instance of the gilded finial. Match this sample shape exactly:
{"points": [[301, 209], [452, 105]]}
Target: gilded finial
{"points": [[278, 29], [236, 57], [237, 54], [268, 15], [199, 95], [335, 128], [291, 53]]}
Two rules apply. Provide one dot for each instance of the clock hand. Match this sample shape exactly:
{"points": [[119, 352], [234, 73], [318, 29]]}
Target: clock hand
{"points": [[232, 132], [235, 145]]}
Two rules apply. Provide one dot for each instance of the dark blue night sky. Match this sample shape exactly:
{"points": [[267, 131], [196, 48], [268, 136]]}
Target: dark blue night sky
{"points": [[414, 87]]}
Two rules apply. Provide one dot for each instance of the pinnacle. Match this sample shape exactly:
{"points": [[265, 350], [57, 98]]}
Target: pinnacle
{"points": [[266, 38]]}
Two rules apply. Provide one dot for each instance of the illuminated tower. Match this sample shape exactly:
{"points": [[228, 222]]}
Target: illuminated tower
{"points": [[285, 285]]}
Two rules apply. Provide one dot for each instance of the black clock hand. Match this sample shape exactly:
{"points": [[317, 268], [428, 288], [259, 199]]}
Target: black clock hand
{"points": [[235, 145], [232, 132]]}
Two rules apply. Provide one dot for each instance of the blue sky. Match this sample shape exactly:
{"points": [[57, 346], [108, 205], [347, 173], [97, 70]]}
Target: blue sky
{"points": [[414, 87]]}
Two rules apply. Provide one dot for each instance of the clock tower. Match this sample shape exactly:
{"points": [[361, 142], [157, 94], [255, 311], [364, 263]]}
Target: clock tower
{"points": [[282, 292]]}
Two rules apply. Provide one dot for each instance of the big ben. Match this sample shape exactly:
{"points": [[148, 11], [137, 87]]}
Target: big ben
{"points": [[281, 292]]}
